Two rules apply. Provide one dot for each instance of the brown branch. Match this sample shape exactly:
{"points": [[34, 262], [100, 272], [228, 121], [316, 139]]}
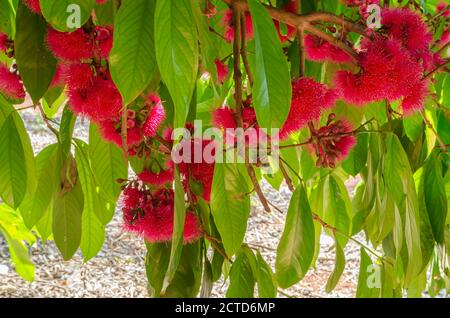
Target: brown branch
{"points": [[286, 177], [244, 50], [437, 69], [305, 22], [47, 121]]}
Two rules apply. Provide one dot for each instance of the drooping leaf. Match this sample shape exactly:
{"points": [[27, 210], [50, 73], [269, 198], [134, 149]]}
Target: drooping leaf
{"points": [[272, 91], [156, 262], [92, 229], [296, 248], [36, 64], [230, 205], [242, 279], [67, 213], [187, 278], [132, 59], [369, 276], [267, 285], [339, 266], [13, 169], [48, 165], [435, 196], [108, 165], [178, 231], [177, 53]]}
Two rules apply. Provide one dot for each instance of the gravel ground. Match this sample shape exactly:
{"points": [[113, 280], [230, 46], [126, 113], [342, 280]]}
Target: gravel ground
{"points": [[118, 270]]}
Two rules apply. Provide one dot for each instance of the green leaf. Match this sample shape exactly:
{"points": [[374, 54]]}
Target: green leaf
{"points": [[207, 280], [36, 64], [178, 231], [242, 280], [156, 262], [357, 158], [18, 237], [230, 205], [208, 50], [108, 164], [435, 196], [267, 285], [132, 58], [67, 211], [60, 13], [368, 277], [105, 13], [400, 185], [296, 248], [92, 229], [7, 18], [13, 168], [339, 266], [337, 206], [177, 53], [272, 91], [413, 126], [19, 256], [187, 278], [48, 165]]}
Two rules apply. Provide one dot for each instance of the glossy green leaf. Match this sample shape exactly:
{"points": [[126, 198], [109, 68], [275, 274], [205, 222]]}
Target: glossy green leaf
{"points": [[187, 278], [36, 64], [435, 196], [242, 279], [339, 266], [13, 169], [230, 205], [156, 262], [7, 18], [67, 213], [92, 229], [63, 15], [267, 284], [296, 248], [369, 277], [132, 59], [272, 91], [108, 165], [177, 53], [178, 231], [48, 165]]}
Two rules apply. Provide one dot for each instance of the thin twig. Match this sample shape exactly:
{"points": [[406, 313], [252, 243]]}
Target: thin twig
{"points": [[47, 121], [244, 50], [286, 177]]}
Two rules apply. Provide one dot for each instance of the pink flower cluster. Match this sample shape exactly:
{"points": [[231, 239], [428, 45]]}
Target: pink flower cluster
{"points": [[151, 214], [309, 100], [392, 66], [319, 50], [11, 85]]}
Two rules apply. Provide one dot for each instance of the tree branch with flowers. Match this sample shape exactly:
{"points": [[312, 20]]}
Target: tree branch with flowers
{"points": [[211, 101]]}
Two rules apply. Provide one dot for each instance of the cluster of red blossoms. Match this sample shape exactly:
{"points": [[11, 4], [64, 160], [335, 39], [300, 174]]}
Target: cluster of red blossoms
{"points": [[392, 63], [11, 85], [150, 214]]}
